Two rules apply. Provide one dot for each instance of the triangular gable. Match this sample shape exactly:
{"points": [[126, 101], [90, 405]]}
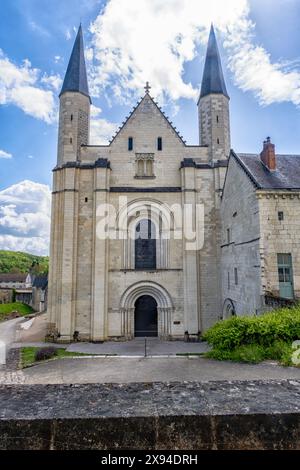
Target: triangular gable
{"points": [[234, 159], [135, 108]]}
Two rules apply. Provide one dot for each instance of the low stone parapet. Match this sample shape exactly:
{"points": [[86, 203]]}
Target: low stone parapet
{"points": [[212, 415]]}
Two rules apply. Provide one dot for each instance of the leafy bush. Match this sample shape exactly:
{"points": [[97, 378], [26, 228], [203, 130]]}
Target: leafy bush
{"points": [[251, 353], [254, 339], [45, 353], [278, 325]]}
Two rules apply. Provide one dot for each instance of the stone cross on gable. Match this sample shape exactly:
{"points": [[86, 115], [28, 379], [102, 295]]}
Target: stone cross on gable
{"points": [[147, 87]]}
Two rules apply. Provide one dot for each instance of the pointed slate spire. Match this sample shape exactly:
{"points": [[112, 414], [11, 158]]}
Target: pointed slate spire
{"points": [[76, 78], [213, 78]]}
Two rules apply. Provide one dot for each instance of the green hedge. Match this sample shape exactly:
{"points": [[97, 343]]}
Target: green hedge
{"points": [[253, 339], [282, 324]]}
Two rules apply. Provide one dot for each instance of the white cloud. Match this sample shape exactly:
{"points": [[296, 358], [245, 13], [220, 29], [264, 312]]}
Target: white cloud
{"points": [[25, 217], [4, 154], [30, 156], [68, 35], [152, 40], [57, 58], [21, 86], [253, 69], [52, 81], [101, 130], [37, 28]]}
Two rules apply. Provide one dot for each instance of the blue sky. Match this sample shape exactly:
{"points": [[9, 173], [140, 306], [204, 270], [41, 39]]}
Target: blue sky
{"points": [[126, 44]]}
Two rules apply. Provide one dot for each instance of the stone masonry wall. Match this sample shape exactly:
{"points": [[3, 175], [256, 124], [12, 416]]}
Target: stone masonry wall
{"points": [[215, 125], [240, 214], [279, 236]]}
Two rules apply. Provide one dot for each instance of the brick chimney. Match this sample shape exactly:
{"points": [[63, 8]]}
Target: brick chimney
{"points": [[268, 156]]}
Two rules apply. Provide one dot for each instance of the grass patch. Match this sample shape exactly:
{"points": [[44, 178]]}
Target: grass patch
{"points": [[255, 339], [28, 355], [7, 309]]}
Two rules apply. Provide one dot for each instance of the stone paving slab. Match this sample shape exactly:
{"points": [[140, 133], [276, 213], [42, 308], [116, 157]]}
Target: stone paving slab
{"points": [[136, 347], [151, 369]]}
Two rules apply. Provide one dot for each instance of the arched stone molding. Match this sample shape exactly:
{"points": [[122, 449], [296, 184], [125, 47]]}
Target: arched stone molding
{"points": [[228, 309], [164, 307], [128, 218]]}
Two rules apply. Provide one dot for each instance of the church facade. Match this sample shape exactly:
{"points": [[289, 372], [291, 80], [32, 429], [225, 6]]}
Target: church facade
{"points": [[142, 279], [154, 237]]}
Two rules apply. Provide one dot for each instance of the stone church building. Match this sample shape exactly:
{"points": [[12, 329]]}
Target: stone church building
{"points": [[140, 278]]}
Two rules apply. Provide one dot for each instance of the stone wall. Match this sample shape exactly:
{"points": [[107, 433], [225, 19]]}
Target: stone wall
{"points": [[244, 415], [6, 295], [279, 236], [240, 215], [215, 125]]}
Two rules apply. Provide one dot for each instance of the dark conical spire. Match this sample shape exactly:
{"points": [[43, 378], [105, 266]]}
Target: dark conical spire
{"points": [[76, 78], [213, 79]]}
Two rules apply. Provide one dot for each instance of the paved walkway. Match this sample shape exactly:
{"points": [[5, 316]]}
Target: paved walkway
{"points": [[137, 347], [152, 369], [8, 330]]}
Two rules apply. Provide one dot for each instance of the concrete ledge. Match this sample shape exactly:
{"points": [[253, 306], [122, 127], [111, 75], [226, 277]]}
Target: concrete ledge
{"points": [[212, 415]]}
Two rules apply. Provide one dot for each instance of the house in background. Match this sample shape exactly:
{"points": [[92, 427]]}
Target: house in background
{"points": [[15, 280], [27, 288], [18, 283], [260, 231], [40, 293]]}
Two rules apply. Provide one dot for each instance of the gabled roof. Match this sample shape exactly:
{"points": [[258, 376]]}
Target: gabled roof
{"points": [[76, 77], [13, 277], [285, 177], [40, 281], [213, 78], [147, 96]]}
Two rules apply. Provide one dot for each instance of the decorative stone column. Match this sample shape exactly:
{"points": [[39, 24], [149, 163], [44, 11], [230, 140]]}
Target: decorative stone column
{"points": [[99, 323], [68, 262], [190, 271]]}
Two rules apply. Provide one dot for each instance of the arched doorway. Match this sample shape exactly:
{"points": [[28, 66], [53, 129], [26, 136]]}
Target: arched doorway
{"points": [[145, 316]]}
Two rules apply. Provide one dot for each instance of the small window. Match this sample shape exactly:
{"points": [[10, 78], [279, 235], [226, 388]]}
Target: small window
{"points": [[159, 143], [280, 215], [144, 168], [236, 279], [217, 118], [228, 236], [149, 167], [71, 117], [228, 280], [140, 168], [85, 199], [71, 140], [130, 144], [218, 141]]}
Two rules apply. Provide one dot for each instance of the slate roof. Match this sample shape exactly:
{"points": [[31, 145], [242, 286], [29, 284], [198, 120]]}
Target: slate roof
{"points": [[76, 77], [286, 176], [213, 78], [40, 281], [13, 277]]}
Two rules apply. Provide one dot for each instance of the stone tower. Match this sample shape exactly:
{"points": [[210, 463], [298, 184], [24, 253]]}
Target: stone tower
{"points": [[74, 112], [74, 116], [213, 104]]}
